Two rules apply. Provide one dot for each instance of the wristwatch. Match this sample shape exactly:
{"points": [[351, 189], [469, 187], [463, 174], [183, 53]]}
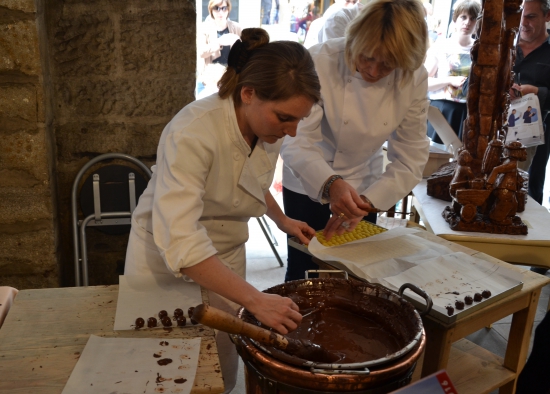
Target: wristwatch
{"points": [[327, 186]]}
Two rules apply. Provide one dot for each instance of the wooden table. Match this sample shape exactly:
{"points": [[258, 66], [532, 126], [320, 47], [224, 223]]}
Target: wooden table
{"points": [[46, 330], [473, 369], [531, 249]]}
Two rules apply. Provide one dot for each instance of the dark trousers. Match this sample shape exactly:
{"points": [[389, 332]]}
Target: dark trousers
{"points": [[454, 113], [301, 207], [537, 170], [535, 377]]}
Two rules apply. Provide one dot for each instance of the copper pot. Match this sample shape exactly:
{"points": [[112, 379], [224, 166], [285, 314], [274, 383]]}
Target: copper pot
{"points": [[265, 369]]}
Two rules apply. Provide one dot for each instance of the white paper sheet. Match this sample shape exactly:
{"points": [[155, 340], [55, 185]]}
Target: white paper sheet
{"points": [[146, 295], [439, 267], [129, 365]]}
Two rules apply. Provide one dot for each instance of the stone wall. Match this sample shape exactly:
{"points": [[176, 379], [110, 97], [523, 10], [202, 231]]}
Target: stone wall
{"points": [[27, 210], [116, 72]]}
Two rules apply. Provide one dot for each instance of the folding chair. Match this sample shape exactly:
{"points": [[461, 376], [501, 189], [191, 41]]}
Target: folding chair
{"points": [[104, 217]]}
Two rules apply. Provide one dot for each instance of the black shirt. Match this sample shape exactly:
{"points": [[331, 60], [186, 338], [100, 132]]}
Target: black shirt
{"points": [[534, 69], [225, 49]]}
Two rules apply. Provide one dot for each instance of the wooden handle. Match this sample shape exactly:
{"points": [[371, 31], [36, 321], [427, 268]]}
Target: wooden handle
{"points": [[223, 321]]}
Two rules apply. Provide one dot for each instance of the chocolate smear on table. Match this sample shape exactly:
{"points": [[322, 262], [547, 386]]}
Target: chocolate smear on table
{"points": [[163, 343], [164, 361], [180, 380]]}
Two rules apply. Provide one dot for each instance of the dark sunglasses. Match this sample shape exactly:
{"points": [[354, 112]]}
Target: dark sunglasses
{"points": [[220, 9]]}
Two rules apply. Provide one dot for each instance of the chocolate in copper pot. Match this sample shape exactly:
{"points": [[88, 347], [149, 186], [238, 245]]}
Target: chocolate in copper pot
{"points": [[162, 314], [477, 297], [166, 321], [140, 322], [151, 322], [468, 300], [178, 312], [180, 321], [486, 293]]}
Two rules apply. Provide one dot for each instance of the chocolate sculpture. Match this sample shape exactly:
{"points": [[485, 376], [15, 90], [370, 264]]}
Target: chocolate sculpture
{"points": [[485, 186]]}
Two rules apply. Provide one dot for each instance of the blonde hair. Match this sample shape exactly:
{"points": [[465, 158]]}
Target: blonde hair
{"points": [[275, 70], [394, 30], [214, 3]]}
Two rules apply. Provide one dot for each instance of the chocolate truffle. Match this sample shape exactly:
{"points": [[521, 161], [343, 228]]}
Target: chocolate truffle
{"points": [[151, 322], [166, 321], [459, 305], [486, 293], [140, 322], [450, 310], [162, 314], [477, 297], [180, 320], [468, 300], [178, 312]]}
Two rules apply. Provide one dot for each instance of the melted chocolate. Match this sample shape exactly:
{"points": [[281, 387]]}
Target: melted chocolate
{"points": [[164, 361], [180, 380], [353, 338], [163, 343], [151, 322]]}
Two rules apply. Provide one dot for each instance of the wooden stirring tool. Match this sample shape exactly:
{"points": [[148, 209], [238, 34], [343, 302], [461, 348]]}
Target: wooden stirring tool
{"points": [[223, 321]]}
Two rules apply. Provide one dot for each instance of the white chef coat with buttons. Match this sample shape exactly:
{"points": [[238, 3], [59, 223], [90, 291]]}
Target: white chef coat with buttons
{"points": [[204, 189], [344, 133]]}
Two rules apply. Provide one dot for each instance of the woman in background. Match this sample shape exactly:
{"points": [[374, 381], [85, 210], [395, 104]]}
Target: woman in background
{"points": [[448, 65], [214, 40]]}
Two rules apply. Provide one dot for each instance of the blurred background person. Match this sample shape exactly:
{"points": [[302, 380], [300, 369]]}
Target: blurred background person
{"points": [[214, 40], [448, 64]]}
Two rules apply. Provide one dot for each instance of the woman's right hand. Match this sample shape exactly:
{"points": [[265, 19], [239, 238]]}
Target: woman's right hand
{"points": [[280, 313]]}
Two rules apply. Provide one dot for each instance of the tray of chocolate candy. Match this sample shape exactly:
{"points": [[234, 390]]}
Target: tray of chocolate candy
{"points": [[164, 320]]}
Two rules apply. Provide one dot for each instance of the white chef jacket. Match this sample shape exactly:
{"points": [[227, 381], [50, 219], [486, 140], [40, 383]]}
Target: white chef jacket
{"points": [[203, 191], [335, 24], [344, 133]]}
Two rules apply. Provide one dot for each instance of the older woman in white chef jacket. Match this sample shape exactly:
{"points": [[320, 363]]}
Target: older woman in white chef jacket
{"points": [[215, 163], [373, 89]]}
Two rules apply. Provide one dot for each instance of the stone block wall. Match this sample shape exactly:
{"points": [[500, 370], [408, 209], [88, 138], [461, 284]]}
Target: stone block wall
{"points": [[27, 211], [112, 73]]}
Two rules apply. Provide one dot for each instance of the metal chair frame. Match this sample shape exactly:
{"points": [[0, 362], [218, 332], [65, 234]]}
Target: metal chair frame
{"points": [[98, 218]]}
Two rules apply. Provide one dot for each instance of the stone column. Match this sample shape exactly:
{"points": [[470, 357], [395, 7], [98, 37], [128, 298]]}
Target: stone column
{"points": [[27, 213]]}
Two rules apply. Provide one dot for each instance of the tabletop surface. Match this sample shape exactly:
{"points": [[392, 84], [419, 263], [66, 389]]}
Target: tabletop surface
{"points": [[536, 217], [47, 329]]}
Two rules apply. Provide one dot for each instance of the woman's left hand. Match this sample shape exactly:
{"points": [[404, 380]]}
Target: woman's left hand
{"points": [[299, 229]]}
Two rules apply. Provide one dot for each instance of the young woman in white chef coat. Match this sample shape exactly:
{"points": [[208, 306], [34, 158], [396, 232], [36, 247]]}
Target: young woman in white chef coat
{"points": [[373, 89], [215, 163]]}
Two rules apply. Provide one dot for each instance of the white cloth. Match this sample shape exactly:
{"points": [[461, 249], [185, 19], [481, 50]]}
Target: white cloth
{"points": [[344, 134], [7, 295], [335, 24], [203, 191]]}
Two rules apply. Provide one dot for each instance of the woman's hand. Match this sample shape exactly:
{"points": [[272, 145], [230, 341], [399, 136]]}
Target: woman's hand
{"points": [[296, 228], [280, 313], [517, 91], [456, 81], [346, 206]]}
